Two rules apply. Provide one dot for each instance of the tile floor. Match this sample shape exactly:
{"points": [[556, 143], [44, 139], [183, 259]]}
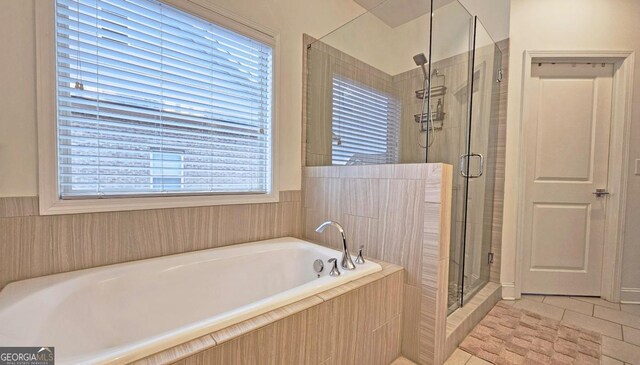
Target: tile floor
{"points": [[619, 325]]}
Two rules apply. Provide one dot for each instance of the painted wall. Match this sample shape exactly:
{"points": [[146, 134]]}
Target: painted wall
{"points": [[373, 42], [289, 18], [452, 21], [494, 15], [571, 25], [18, 142]]}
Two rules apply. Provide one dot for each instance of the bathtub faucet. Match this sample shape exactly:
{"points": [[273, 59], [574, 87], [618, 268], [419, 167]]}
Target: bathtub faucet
{"points": [[346, 263]]}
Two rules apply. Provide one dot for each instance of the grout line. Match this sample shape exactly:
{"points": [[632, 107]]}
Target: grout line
{"points": [[321, 298], [602, 319], [613, 356], [585, 301], [621, 324], [593, 312], [470, 355]]}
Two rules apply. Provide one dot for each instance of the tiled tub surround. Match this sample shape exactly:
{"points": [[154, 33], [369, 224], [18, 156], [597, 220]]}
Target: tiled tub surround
{"points": [[356, 323], [119, 313], [400, 214], [34, 245]]}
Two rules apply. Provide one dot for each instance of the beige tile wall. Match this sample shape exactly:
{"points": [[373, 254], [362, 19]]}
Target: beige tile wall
{"points": [[500, 146], [435, 265], [448, 141], [34, 245], [18, 206], [397, 213]]}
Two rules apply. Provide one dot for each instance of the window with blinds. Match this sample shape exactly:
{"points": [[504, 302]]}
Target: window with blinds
{"points": [[366, 124], [155, 101]]}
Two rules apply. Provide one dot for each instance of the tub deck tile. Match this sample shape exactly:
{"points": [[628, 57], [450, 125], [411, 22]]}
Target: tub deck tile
{"points": [[262, 320], [347, 287], [176, 353]]}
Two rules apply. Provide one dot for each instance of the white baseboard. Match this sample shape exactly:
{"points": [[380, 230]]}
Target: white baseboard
{"points": [[630, 295], [509, 291]]}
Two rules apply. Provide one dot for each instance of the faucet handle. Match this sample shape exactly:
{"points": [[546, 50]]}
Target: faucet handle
{"points": [[360, 259], [334, 269]]}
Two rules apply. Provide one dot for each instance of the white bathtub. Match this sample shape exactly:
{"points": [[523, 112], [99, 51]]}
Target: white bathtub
{"points": [[119, 313]]}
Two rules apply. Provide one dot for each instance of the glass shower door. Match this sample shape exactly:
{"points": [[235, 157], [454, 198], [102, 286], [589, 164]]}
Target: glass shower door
{"points": [[477, 165], [462, 131], [450, 65]]}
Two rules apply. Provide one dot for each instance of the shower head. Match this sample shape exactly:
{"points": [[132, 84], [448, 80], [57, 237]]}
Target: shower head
{"points": [[421, 60]]}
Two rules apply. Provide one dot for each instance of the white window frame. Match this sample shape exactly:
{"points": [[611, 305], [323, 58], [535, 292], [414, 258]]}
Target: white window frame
{"points": [[50, 202]]}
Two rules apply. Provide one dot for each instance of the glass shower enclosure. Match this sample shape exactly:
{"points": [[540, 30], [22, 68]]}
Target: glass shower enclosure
{"points": [[410, 82], [463, 49]]}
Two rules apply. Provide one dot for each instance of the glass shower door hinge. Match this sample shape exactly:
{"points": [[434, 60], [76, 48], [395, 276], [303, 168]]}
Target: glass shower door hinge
{"points": [[490, 258]]}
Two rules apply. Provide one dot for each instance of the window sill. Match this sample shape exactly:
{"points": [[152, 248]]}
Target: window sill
{"points": [[58, 206]]}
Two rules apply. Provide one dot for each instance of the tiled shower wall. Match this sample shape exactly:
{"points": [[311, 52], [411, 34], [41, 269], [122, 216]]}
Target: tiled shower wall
{"points": [[399, 214], [34, 245], [500, 146], [324, 63], [448, 140]]}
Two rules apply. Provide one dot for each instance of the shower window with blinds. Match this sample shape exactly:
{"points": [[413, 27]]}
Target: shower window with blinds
{"points": [[154, 101], [366, 124]]}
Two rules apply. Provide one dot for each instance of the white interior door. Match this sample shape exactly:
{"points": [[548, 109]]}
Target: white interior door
{"points": [[567, 127]]}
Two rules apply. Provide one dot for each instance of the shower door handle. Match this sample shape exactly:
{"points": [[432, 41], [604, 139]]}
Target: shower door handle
{"points": [[463, 165]]}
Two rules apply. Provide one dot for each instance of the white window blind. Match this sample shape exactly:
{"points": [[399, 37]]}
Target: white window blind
{"points": [[155, 101], [366, 124]]}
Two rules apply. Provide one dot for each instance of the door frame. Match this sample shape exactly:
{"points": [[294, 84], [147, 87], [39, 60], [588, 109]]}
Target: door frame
{"points": [[621, 105]]}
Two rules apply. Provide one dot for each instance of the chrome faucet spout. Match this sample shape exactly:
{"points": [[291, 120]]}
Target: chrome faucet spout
{"points": [[346, 262]]}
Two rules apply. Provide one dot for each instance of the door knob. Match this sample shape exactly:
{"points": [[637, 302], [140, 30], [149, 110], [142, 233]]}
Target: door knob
{"points": [[599, 193]]}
